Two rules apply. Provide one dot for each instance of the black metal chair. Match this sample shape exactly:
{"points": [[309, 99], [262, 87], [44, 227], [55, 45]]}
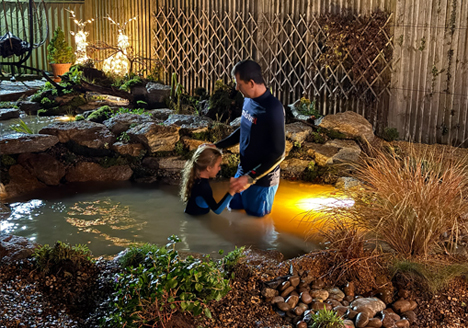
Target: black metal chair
{"points": [[22, 29]]}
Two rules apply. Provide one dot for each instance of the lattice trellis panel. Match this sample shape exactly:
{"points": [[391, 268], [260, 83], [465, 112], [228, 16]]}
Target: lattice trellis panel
{"points": [[295, 53]]}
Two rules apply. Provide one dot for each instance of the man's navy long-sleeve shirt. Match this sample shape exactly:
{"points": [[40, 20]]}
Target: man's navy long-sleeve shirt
{"points": [[261, 139]]}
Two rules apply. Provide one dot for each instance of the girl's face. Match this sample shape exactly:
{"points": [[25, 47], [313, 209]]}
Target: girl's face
{"points": [[214, 170]]}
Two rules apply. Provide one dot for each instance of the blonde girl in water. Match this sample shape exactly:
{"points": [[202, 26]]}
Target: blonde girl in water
{"points": [[195, 188]]}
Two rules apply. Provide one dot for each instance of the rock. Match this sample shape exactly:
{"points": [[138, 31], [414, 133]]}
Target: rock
{"points": [[128, 149], [121, 123], [298, 310], [351, 314], [88, 171], [386, 295], [353, 125], [293, 167], [297, 132], [277, 299], [362, 319], [157, 94], [336, 294], [348, 183], [292, 301], [14, 248], [283, 306], [333, 302], [348, 324], [349, 298], [154, 136], [349, 289], [44, 167], [303, 305], [161, 114], [85, 133], [269, 292], [294, 280], [8, 113], [375, 323], [388, 322], [275, 283], [29, 107], [192, 144], [401, 306], [188, 121], [21, 181], [18, 143], [402, 323], [301, 324], [410, 316], [306, 298], [413, 306], [287, 291], [340, 310], [284, 285], [371, 305], [319, 294]]}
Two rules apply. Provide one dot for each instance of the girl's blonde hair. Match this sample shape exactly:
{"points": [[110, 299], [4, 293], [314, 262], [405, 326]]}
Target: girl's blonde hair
{"points": [[203, 157]]}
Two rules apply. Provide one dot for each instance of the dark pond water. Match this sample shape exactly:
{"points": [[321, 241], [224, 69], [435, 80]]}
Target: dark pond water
{"points": [[110, 217]]}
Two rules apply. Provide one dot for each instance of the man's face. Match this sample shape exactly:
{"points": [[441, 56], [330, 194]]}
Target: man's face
{"points": [[246, 88]]}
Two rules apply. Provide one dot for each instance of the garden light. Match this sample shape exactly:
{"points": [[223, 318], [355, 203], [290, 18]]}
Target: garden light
{"points": [[80, 38]]}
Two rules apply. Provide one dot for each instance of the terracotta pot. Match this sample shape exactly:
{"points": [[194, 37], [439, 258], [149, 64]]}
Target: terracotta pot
{"points": [[59, 69]]}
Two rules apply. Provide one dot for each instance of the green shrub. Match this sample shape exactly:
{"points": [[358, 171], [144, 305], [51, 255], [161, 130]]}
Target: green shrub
{"points": [[62, 255], [307, 107], [158, 282], [58, 50], [390, 134], [101, 114], [128, 85], [123, 137], [325, 319]]}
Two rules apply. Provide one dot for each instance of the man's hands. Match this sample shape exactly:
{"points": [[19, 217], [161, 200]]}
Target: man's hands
{"points": [[239, 184]]}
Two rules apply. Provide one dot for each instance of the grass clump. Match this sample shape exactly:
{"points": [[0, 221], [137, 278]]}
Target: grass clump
{"points": [[413, 201], [326, 319], [157, 283], [429, 277]]}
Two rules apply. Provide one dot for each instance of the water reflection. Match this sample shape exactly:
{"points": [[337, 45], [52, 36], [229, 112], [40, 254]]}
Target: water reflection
{"points": [[110, 217]]}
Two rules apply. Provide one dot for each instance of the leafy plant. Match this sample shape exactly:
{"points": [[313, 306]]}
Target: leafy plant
{"points": [[61, 255], [58, 50], [123, 137], [157, 285], [326, 319], [307, 107], [232, 258]]}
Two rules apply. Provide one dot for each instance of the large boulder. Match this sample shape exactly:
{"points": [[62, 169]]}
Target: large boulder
{"points": [[161, 113], [333, 152], [155, 137], [369, 305], [297, 132], [353, 125], [18, 143], [14, 248], [44, 167], [188, 121], [87, 171], [129, 149], [21, 181], [8, 113], [122, 122], [85, 133]]}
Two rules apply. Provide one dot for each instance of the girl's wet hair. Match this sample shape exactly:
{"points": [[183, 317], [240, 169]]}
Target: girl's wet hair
{"points": [[203, 157]]}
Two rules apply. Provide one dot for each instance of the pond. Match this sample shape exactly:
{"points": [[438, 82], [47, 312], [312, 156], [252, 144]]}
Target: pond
{"points": [[111, 216], [35, 123]]}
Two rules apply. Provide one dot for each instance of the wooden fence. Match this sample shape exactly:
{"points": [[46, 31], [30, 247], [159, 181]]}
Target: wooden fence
{"points": [[419, 80]]}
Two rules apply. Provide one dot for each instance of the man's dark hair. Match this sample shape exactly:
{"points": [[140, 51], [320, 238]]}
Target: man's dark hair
{"points": [[248, 70]]}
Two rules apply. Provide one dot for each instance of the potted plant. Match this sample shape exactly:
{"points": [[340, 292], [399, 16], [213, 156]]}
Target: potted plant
{"points": [[59, 54]]}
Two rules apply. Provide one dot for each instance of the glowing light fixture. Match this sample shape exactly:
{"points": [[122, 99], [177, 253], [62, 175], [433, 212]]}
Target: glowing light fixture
{"points": [[118, 63], [80, 38]]}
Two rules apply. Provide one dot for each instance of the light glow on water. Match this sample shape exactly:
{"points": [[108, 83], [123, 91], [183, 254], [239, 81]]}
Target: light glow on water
{"points": [[109, 218]]}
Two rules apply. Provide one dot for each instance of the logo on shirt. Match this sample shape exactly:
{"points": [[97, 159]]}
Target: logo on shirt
{"points": [[249, 117]]}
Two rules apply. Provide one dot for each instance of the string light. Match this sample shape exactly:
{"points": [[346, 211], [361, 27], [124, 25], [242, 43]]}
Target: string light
{"points": [[80, 38], [118, 63]]}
